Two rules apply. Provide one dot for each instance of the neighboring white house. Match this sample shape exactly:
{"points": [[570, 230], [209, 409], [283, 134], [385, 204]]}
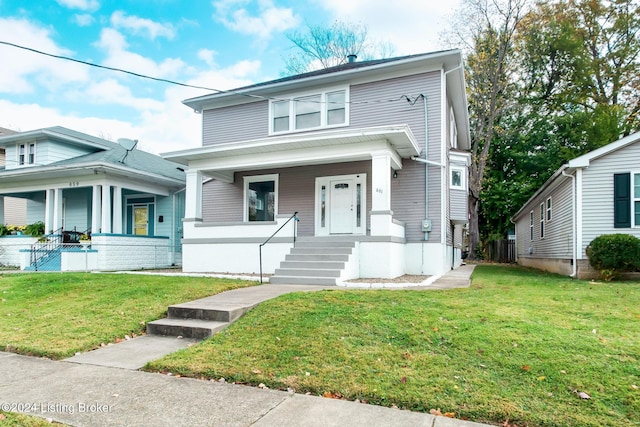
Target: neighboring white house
{"points": [[594, 194], [15, 209], [79, 184], [372, 156]]}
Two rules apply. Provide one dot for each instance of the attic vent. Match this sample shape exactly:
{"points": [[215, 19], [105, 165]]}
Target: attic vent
{"points": [[352, 57]]}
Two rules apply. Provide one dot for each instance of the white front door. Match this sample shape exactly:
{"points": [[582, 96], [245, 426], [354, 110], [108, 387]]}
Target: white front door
{"points": [[341, 205]]}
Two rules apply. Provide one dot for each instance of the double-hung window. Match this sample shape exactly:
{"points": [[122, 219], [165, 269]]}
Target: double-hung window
{"points": [[531, 225], [309, 111], [549, 209], [26, 154]]}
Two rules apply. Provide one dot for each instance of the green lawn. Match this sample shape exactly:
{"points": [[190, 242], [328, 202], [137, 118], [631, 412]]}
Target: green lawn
{"points": [[517, 346], [12, 419], [56, 315]]}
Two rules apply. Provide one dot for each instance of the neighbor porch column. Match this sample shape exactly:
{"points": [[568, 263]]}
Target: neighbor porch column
{"points": [[193, 196], [96, 209], [381, 214], [57, 208], [106, 209], [1, 209], [117, 210], [48, 211]]}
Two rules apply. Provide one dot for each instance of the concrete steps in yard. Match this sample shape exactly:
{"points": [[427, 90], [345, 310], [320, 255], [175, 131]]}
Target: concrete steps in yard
{"points": [[314, 262], [198, 319]]}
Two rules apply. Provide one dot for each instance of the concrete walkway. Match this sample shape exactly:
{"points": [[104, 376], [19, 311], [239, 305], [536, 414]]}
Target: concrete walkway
{"points": [[102, 388]]}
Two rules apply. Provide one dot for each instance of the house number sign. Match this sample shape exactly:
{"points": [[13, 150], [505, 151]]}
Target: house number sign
{"points": [[74, 184]]}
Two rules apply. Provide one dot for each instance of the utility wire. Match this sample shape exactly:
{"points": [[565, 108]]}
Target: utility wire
{"points": [[173, 82]]}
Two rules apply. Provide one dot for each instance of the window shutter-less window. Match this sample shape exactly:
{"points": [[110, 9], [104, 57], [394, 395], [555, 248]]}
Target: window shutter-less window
{"points": [[622, 200]]}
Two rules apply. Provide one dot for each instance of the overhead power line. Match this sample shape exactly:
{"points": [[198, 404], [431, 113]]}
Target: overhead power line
{"points": [[173, 82]]}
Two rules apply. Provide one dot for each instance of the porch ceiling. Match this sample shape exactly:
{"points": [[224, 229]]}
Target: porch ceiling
{"points": [[222, 160]]}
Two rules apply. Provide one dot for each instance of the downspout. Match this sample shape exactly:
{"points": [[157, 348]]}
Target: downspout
{"points": [[575, 222]]}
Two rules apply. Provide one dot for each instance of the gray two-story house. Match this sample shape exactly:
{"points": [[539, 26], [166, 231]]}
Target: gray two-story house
{"points": [[371, 155]]}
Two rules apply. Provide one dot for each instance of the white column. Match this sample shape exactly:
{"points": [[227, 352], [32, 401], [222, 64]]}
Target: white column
{"points": [[117, 210], [106, 209], [96, 209], [381, 214], [193, 196], [1, 209], [48, 211], [57, 208]]}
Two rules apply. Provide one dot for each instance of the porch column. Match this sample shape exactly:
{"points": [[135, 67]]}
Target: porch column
{"points": [[57, 208], [1, 209], [381, 214], [96, 208], [106, 209], [193, 196], [117, 210], [48, 211]]}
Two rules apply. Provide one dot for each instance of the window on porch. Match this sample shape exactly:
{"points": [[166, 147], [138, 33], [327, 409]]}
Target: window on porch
{"points": [[261, 197]]}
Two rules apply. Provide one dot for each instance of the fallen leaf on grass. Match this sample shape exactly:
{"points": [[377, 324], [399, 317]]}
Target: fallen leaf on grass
{"points": [[541, 378], [526, 368], [633, 386], [257, 371], [2, 417], [439, 413], [331, 395], [582, 394]]}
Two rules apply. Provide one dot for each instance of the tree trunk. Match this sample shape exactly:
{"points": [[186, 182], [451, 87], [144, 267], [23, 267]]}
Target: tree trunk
{"points": [[474, 231]]}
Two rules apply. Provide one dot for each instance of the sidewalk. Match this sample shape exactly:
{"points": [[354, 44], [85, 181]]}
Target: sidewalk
{"points": [[82, 393]]}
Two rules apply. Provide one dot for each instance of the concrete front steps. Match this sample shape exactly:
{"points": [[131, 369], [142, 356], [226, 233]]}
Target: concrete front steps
{"points": [[198, 319], [314, 262]]}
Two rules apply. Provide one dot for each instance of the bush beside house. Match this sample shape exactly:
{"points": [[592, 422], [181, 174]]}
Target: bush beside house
{"points": [[612, 254]]}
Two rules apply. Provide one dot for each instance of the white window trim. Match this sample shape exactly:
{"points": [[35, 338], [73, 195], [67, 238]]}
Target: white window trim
{"points": [[549, 209], [323, 111], [531, 230], [259, 178], [633, 199], [543, 213], [361, 179], [463, 178]]}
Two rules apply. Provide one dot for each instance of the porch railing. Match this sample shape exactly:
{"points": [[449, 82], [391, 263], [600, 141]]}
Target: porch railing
{"points": [[295, 224], [50, 243]]}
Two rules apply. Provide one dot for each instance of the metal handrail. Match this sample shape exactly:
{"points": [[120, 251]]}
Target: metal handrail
{"points": [[40, 249], [295, 215]]}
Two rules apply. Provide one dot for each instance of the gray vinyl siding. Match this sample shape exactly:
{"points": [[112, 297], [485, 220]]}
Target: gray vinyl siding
{"points": [[15, 211], [223, 202], [164, 206], [597, 197], [235, 123], [296, 193], [558, 239], [408, 190], [458, 204]]}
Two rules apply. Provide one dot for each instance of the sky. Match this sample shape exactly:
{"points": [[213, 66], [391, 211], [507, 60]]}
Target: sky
{"points": [[217, 44]]}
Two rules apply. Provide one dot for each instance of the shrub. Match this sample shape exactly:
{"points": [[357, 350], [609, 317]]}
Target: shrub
{"points": [[612, 254], [4, 230], [36, 229]]}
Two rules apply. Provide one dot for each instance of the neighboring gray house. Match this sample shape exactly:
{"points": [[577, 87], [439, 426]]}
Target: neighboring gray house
{"points": [[372, 155], [79, 184], [594, 194], [15, 209]]}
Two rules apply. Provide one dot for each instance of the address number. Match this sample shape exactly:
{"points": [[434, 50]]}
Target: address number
{"points": [[74, 184]]}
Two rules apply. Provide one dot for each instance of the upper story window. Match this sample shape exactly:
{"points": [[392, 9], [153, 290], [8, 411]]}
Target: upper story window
{"points": [[453, 130], [309, 111], [458, 180], [26, 154]]}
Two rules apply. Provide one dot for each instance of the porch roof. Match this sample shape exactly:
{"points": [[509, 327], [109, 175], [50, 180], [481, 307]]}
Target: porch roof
{"points": [[345, 145]]}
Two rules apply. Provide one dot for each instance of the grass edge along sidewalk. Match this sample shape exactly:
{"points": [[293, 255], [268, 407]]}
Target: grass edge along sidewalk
{"points": [[519, 346], [56, 315]]}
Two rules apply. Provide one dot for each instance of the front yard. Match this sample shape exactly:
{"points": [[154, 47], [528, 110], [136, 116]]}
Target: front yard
{"points": [[58, 314], [519, 346]]}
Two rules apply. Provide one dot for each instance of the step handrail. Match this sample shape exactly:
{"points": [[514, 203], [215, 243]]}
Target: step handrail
{"points": [[295, 222], [40, 250]]}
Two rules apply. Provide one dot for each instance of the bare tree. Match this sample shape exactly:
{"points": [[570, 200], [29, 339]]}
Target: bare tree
{"points": [[487, 36], [322, 47]]}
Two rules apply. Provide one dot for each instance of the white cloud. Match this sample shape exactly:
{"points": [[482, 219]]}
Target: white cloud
{"points": [[115, 47], [411, 26], [207, 56], [23, 70], [264, 23], [84, 20], [142, 25], [90, 5]]}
